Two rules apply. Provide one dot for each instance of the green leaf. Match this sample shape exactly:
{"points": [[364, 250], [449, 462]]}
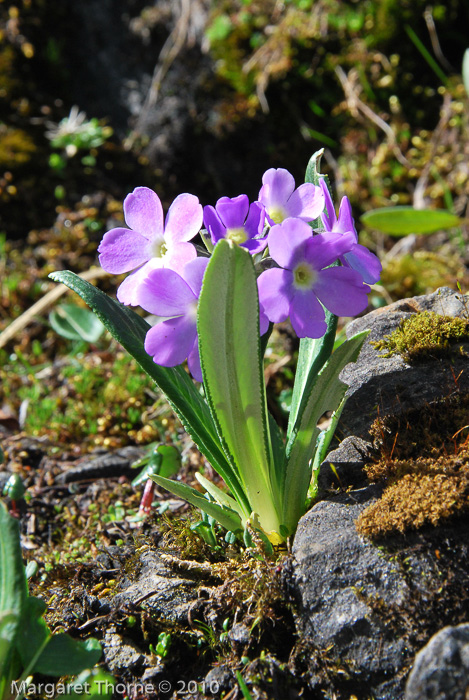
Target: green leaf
{"points": [[465, 70], [400, 221], [220, 497], [73, 322], [278, 449], [13, 587], [53, 655], [326, 394], [129, 329], [228, 325], [64, 656], [312, 169], [99, 686], [312, 355], [164, 460], [227, 518]]}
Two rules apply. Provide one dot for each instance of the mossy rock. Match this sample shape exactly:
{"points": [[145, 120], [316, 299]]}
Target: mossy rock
{"points": [[424, 335]]}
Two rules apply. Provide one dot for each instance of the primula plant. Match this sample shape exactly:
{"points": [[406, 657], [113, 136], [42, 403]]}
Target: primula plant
{"points": [[287, 255]]}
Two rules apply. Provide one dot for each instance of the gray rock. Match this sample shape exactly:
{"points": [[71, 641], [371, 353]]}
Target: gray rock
{"points": [[121, 653], [441, 668], [387, 385], [239, 635], [344, 465], [218, 679], [104, 466], [159, 589], [338, 578], [346, 586]]}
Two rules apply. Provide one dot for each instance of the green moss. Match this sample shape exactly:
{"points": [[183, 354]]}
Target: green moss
{"points": [[424, 335], [99, 399]]}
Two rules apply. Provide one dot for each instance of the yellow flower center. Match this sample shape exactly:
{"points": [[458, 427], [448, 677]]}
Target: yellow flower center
{"points": [[304, 276], [237, 235], [277, 214], [159, 247]]}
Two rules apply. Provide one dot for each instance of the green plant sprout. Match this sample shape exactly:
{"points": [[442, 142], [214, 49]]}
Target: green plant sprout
{"points": [[73, 134], [75, 323], [163, 460], [27, 646]]}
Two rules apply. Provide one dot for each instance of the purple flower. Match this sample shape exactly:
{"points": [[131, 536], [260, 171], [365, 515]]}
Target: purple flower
{"points": [[282, 200], [148, 243], [301, 284], [166, 293], [358, 258], [235, 220]]}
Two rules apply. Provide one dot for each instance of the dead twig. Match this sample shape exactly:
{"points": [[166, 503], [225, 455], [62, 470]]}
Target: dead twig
{"points": [[47, 300], [357, 106], [168, 54]]}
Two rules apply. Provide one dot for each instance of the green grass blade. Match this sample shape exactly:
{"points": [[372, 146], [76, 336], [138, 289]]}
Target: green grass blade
{"points": [[228, 324], [243, 687], [426, 54], [129, 329]]}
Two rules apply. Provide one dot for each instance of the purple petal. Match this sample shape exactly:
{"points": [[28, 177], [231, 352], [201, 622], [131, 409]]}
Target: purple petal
{"points": [[255, 245], [233, 212], [164, 293], [365, 263], [287, 242], [307, 202], [184, 219], [178, 255], [170, 342], [325, 248], [278, 185], [143, 212], [275, 293], [263, 321], [193, 361], [342, 291], [122, 250], [213, 224], [193, 274], [328, 217], [307, 315], [127, 291], [345, 222], [254, 225]]}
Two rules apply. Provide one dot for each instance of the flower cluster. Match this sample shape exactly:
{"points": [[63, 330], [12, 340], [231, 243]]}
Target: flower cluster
{"points": [[312, 266]]}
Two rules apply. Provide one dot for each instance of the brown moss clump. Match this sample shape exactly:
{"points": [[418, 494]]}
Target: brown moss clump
{"points": [[421, 492], [424, 335], [422, 461]]}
